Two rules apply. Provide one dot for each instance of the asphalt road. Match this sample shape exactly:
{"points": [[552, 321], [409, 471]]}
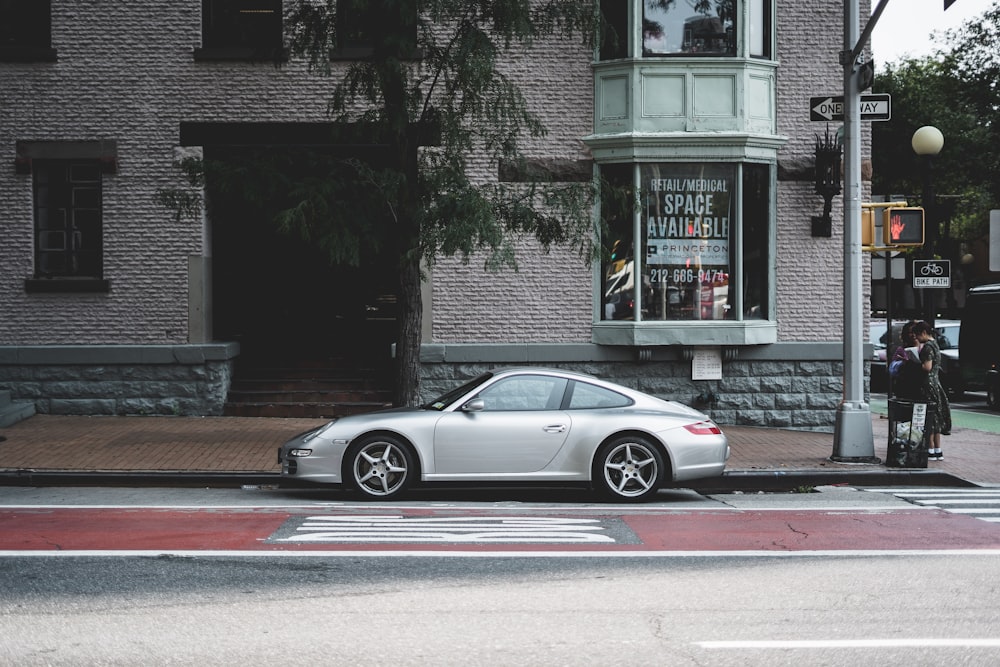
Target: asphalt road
{"points": [[840, 577]]}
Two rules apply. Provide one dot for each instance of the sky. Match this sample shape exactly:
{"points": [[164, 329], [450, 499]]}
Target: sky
{"points": [[905, 26]]}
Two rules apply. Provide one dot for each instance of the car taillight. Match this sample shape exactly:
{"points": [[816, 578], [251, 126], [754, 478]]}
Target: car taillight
{"points": [[704, 428]]}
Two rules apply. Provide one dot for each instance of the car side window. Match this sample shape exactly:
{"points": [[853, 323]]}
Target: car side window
{"points": [[591, 396], [525, 392]]}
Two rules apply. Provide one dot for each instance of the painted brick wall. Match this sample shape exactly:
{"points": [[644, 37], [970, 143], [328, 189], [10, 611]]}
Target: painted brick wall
{"points": [[550, 297], [809, 270], [149, 83], [140, 55]]}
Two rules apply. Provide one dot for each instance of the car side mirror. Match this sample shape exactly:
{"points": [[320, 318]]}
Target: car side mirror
{"points": [[474, 405]]}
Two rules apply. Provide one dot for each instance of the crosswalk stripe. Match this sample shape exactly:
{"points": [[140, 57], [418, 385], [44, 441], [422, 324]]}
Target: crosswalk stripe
{"points": [[983, 504]]}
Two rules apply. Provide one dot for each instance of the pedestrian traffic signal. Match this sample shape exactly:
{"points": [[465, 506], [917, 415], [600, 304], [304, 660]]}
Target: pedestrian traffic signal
{"points": [[903, 226]]}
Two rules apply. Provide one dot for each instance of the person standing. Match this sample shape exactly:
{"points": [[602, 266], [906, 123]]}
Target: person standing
{"points": [[905, 371], [939, 422]]}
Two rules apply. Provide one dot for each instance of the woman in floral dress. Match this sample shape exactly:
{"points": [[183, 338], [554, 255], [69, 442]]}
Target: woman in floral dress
{"points": [[939, 422]]}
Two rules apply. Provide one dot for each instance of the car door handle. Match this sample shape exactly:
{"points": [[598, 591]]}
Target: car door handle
{"points": [[555, 428]]}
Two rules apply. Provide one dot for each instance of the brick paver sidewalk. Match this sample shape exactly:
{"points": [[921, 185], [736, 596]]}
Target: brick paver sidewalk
{"points": [[242, 444]]}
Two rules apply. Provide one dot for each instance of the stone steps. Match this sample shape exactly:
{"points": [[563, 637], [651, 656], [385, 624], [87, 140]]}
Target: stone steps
{"points": [[323, 389]]}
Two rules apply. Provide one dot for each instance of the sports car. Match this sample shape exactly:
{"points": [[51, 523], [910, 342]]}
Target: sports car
{"points": [[527, 425]]}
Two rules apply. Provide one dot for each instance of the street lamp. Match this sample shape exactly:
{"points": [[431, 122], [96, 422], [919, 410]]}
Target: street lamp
{"points": [[927, 142]]}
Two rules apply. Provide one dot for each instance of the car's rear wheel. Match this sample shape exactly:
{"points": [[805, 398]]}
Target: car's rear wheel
{"points": [[379, 466], [993, 394], [628, 468]]}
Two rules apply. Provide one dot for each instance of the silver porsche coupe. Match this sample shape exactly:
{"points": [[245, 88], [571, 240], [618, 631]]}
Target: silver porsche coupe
{"points": [[523, 425]]}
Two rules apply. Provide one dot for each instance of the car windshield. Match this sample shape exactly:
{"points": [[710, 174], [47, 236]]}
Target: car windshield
{"points": [[443, 401]]}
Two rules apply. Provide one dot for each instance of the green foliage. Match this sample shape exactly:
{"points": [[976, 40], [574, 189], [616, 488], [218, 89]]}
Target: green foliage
{"points": [[957, 92], [458, 90]]}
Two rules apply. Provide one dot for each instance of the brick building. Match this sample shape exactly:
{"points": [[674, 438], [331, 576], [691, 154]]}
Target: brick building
{"points": [[112, 303]]}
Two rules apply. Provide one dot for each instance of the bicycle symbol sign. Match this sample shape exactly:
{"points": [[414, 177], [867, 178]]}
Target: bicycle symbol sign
{"points": [[931, 273]]}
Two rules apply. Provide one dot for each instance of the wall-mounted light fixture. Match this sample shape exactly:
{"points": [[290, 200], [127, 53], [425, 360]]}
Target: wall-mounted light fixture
{"points": [[828, 155]]}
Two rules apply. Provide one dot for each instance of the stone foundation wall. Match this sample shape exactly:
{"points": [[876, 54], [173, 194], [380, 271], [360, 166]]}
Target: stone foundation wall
{"points": [[183, 380], [759, 388]]}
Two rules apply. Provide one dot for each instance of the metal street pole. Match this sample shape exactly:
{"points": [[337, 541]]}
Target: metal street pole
{"points": [[852, 435]]}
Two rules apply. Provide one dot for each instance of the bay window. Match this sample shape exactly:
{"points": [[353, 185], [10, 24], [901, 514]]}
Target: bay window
{"points": [[696, 249]]}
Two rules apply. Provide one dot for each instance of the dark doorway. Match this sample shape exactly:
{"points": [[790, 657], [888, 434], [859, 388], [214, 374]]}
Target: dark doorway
{"points": [[276, 292]]}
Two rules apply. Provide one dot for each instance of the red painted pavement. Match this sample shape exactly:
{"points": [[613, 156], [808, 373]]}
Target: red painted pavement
{"points": [[150, 529]]}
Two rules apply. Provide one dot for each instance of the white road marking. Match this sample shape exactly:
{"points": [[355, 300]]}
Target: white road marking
{"points": [[473, 529], [967, 501], [411, 553], [852, 643]]}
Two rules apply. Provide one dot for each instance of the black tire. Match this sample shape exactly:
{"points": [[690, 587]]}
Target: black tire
{"points": [[379, 466], [628, 468], [993, 395]]}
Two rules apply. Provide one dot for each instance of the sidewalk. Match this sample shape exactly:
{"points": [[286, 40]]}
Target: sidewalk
{"points": [[56, 449]]}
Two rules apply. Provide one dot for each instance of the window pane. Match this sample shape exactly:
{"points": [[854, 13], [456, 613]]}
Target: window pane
{"points": [[86, 197], [52, 240], [688, 27], [68, 236], [588, 396], [84, 173], [614, 29], [617, 195], [24, 24], [535, 392], [756, 240], [241, 23], [355, 24], [760, 28], [687, 210]]}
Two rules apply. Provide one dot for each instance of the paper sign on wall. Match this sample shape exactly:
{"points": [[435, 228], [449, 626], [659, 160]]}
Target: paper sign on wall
{"points": [[706, 364]]}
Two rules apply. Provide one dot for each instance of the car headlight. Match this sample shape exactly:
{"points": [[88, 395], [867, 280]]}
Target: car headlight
{"points": [[299, 453], [322, 429]]}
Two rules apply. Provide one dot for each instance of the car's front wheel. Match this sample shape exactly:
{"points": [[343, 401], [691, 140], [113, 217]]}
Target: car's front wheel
{"points": [[628, 468], [379, 466]]}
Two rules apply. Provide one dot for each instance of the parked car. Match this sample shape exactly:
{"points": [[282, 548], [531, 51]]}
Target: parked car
{"points": [[980, 363], [516, 425], [947, 333]]}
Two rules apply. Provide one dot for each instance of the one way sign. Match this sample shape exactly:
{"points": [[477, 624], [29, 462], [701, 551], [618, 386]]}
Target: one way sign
{"points": [[877, 106]]}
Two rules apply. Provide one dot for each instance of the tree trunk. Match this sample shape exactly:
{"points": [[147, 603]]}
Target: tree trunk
{"points": [[410, 314]]}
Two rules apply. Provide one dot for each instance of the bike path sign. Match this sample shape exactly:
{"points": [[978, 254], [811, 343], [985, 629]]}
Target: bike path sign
{"points": [[932, 273]]}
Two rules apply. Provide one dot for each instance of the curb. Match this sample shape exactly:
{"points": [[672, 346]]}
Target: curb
{"points": [[775, 481], [779, 481]]}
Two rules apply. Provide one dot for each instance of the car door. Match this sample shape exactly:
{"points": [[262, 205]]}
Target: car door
{"points": [[519, 430]]}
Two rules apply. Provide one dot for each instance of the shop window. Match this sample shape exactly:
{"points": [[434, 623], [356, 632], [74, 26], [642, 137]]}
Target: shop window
{"points": [[687, 255], [68, 234], [25, 31], [242, 24], [696, 27]]}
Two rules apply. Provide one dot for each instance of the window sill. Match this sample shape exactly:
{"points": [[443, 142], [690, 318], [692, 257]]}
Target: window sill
{"points": [[686, 332], [66, 285], [365, 52], [28, 54], [241, 54]]}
